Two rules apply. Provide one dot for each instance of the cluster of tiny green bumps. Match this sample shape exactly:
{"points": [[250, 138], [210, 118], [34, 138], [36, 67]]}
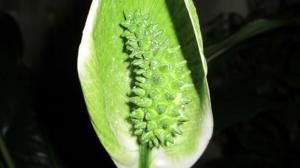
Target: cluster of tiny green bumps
{"points": [[159, 93]]}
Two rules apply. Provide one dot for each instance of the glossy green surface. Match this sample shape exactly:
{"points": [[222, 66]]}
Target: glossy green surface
{"points": [[106, 81]]}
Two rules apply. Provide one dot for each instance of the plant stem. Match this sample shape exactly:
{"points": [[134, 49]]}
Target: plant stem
{"points": [[144, 156], [5, 154]]}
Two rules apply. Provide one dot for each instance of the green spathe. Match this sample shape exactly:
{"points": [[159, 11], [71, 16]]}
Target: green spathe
{"points": [[105, 81]]}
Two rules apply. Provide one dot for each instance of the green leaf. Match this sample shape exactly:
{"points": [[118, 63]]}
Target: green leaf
{"points": [[5, 154], [252, 29], [105, 78]]}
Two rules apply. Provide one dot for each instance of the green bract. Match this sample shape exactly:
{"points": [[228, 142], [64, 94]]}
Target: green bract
{"points": [[142, 90]]}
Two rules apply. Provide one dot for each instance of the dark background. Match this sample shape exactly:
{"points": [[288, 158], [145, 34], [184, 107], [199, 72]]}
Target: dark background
{"points": [[255, 86]]}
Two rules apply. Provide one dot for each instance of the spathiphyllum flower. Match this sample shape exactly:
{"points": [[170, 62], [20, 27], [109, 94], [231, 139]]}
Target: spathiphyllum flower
{"points": [[143, 75]]}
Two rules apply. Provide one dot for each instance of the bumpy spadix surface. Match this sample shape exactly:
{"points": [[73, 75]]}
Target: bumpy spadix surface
{"points": [[160, 83], [108, 75]]}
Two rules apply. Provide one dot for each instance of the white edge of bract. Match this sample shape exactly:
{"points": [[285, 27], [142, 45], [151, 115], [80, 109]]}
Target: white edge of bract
{"points": [[197, 32], [85, 47]]}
